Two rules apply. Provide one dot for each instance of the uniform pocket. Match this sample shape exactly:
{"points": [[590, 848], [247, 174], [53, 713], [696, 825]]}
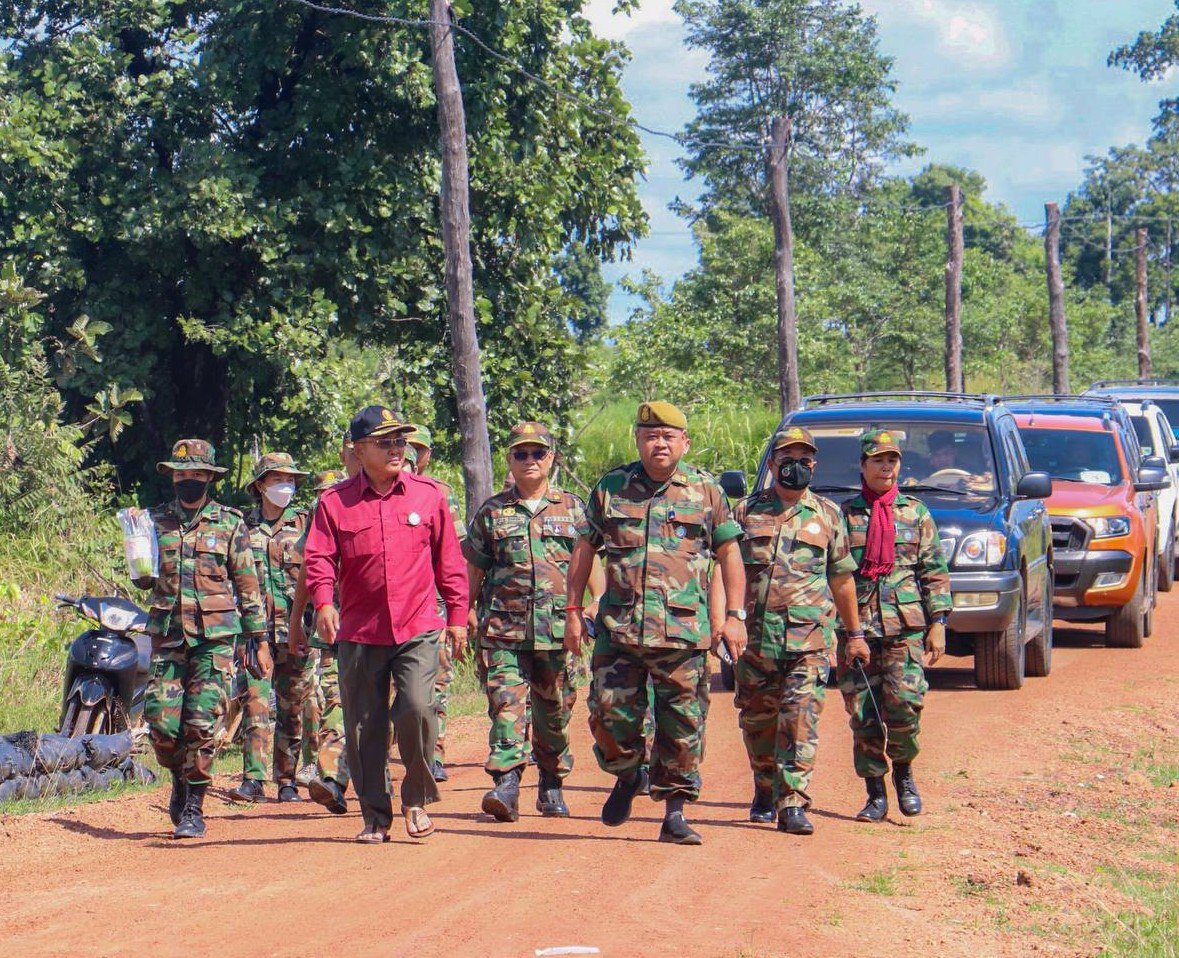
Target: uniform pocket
{"points": [[626, 526], [912, 614]]}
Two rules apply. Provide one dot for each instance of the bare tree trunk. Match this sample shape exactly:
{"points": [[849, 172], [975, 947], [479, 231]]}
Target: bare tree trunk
{"points": [[456, 239], [1140, 306], [1167, 296], [777, 170], [1056, 319], [955, 382]]}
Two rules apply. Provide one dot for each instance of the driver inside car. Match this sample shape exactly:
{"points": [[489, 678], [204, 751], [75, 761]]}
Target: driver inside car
{"points": [[955, 465]]}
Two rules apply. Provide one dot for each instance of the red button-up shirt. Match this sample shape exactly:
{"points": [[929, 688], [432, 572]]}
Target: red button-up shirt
{"points": [[390, 555]]}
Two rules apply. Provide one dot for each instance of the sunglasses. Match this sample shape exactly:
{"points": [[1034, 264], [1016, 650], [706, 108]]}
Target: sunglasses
{"points": [[387, 443], [788, 461], [523, 455]]}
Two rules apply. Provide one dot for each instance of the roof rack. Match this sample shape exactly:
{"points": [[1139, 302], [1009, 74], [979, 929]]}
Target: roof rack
{"points": [[1103, 383], [1048, 398], [971, 399]]}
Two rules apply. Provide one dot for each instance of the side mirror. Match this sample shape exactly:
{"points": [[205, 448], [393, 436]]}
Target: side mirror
{"points": [[1174, 452], [733, 482], [1151, 479], [1154, 462], [1034, 485]]}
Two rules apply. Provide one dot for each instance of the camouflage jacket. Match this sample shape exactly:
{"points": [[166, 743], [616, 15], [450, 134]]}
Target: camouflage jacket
{"points": [[789, 553], [526, 557], [278, 559], [207, 587], [918, 586], [659, 540]]}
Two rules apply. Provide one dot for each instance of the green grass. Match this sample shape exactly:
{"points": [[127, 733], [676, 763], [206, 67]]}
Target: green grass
{"points": [[1149, 931], [1161, 769], [27, 806], [877, 883]]}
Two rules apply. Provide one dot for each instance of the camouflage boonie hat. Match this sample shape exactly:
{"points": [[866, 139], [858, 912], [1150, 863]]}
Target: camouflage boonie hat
{"points": [[794, 435], [530, 433], [192, 454], [876, 441], [660, 414], [420, 437], [275, 462], [328, 478], [411, 456]]}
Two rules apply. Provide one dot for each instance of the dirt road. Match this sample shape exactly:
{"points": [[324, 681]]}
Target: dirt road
{"points": [[1037, 800]]}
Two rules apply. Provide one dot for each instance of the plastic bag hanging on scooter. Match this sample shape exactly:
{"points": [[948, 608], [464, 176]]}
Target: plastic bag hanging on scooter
{"points": [[140, 544]]}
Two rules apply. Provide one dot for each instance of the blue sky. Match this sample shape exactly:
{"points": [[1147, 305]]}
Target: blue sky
{"points": [[1016, 89]]}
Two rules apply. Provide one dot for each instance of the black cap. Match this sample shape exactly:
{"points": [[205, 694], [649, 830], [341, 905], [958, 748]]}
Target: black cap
{"points": [[373, 421]]}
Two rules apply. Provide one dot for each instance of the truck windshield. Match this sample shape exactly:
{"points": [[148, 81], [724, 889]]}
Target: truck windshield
{"points": [[1171, 408], [955, 457], [1074, 454]]}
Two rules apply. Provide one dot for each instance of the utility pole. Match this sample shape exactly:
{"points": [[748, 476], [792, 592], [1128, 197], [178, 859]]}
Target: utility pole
{"points": [[1140, 305], [455, 212], [778, 174], [1056, 318], [955, 381]]}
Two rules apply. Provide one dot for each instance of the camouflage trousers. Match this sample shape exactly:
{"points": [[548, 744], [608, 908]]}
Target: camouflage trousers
{"points": [[186, 695], [330, 759], [897, 679], [779, 702], [312, 714], [618, 706], [529, 689], [442, 698], [291, 681]]}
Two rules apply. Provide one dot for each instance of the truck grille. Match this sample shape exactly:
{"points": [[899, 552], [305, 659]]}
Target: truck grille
{"points": [[1071, 535]]}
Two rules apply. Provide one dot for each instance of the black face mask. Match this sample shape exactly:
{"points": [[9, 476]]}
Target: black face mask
{"points": [[794, 475], [190, 490]]}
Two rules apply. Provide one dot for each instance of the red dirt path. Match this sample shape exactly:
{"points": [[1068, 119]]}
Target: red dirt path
{"points": [[1042, 783]]}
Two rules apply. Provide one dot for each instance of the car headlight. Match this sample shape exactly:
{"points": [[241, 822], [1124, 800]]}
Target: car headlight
{"points": [[982, 549], [1106, 527]]}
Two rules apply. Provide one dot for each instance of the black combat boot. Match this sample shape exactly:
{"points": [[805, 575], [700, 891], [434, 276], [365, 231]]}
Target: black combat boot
{"points": [[617, 807], [675, 828], [327, 792], [644, 780], [250, 790], [438, 771], [503, 801], [792, 820], [877, 806], [288, 793], [762, 807], [549, 800], [176, 802], [907, 797], [192, 820]]}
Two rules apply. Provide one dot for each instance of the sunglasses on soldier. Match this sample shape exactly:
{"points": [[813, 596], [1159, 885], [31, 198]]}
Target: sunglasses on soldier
{"points": [[523, 455], [398, 443]]}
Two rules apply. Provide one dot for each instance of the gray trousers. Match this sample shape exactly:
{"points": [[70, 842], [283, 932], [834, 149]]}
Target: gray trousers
{"points": [[366, 672]]}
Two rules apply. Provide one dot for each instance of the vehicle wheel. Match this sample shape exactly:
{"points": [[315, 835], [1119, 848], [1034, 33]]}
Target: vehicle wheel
{"points": [[1000, 658], [728, 678], [1166, 576], [1124, 629], [1039, 654]]}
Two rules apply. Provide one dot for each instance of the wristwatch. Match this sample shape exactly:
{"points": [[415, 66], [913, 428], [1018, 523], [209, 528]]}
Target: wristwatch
{"points": [[738, 614], [941, 618]]}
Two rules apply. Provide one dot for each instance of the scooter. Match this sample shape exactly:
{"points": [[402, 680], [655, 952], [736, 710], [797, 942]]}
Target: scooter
{"points": [[106, 668]]}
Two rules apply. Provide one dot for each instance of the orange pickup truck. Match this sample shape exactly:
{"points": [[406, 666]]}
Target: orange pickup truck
{"points": [[1104, 519]]}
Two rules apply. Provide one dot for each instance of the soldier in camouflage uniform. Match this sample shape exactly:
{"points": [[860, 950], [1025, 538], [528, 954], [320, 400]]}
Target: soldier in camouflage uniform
{"points": [[205, 597], [517, 549], [797, 566], [661, 523], [277, 530], [419, 450], [903, 590]]}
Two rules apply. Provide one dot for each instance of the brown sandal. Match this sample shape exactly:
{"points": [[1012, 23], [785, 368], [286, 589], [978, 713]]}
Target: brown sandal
{"points": [[373, 835], [417, 822]]}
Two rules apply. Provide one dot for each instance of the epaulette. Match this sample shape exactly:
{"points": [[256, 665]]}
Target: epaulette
{"points": [[232, 510]]}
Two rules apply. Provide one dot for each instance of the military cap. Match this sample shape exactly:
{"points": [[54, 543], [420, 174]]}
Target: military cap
{"points": [[375, 421], [327, 479], [420, 437], [192, 454], [876, 441], [794, 435], [530, 433], [275, 462], [661, 414], [411, 456]]}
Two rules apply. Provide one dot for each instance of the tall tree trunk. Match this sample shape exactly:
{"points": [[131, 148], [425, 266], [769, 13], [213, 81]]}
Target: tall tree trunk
{"points": [[456, 238], [777, 170], [1056, 319], [955, 381], [1140, 305]]}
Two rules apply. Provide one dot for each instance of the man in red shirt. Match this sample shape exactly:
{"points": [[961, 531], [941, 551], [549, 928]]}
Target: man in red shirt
{"points": [[386, 538]]}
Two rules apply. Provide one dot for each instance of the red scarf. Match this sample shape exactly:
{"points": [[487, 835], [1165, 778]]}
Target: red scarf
{"points": [[880, 551]]}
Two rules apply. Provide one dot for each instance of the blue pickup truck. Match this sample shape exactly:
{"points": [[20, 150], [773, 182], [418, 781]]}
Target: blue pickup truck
{"points": [[963, 457]]}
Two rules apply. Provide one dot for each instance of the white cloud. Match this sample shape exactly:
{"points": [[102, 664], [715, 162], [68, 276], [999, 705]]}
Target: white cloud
{"points": [[972, 34], [652, 13]]}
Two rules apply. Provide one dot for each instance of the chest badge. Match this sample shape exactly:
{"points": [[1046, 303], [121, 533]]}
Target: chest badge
{"points": [[413, 519], [814, 528], [681, 531], [210, 541]]}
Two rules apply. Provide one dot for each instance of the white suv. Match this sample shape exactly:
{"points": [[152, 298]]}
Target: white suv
{"points": [[1157, 438]]}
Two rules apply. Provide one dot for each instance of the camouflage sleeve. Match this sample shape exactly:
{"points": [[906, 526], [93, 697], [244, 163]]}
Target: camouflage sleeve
{"points": [[595, 514], [932, 572], [477, 544], [577, 510], [245, 581], [724, 527], [839, 557]]}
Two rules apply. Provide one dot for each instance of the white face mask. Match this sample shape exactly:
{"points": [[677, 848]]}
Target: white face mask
{"points": [[280, 493]]}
